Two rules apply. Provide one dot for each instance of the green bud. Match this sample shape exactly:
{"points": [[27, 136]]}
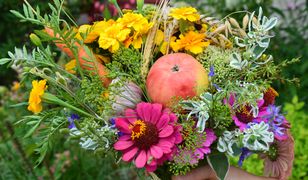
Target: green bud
{"points": [[35, 39]]}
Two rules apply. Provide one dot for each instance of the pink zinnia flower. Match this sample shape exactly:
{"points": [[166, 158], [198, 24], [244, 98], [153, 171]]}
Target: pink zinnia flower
{"points": [[279, 160], [244, 115], [149, 135]]}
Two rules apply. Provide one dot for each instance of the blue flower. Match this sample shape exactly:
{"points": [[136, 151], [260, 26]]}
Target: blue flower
{"points": [[112, 122], [245, 154], [212, 73], [71, 120]]}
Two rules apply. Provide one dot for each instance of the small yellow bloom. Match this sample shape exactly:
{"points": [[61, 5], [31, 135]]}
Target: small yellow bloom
{"points": [[70, 66], [16, 86], [112, 36], [185, 13], [192, 41], [35, 101]]}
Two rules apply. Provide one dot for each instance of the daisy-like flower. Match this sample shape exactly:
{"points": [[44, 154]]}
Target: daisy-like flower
{"points": [[278, 161], [149, 135], [35, 101], [185, 13], [192, 41]]}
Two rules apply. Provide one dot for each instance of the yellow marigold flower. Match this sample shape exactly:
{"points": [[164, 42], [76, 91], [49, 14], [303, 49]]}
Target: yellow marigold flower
{"points": [[185, 13], [93, 32], [192, 41], [112, 36], [159, 37], [16, 86], [38, 88], [164, 46], [135, 21], [70, 66]]}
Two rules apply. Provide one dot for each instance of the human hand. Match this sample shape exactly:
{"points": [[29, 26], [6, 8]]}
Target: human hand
{"points": [[206, 173]]}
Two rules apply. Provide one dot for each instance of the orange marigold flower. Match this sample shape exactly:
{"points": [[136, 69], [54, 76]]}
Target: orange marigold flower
{"points": [[38, 88]]}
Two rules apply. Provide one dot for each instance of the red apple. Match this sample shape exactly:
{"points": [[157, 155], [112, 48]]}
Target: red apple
{"points": [[176, 75]]}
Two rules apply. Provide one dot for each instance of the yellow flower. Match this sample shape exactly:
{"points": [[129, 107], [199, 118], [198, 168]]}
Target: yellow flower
{"points": [[159, 37], [192, 41], [70, 66], [93, 32], [135, 21], [38, 88], [16, 86], [164, 46], [185, 13], [112, 36]]}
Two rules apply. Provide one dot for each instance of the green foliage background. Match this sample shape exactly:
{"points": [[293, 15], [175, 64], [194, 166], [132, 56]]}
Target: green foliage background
{"points": [[67, 161]]}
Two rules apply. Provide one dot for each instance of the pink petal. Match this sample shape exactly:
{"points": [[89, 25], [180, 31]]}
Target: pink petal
{"points": [[156, 152], [128, 156], [141, 159], [163, 121], [151, 167], [123, 125], [232, 99], [144, 111], [125, 138], [122, 145], [260, 102], [131, 115], [156, 112], [173, 118], [167, 131]]}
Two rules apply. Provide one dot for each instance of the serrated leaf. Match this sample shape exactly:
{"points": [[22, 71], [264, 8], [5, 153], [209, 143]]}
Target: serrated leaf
{"points": [[219, 163]]}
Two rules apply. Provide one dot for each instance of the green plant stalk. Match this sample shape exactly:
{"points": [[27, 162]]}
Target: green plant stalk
{"points": [[52, 99]]}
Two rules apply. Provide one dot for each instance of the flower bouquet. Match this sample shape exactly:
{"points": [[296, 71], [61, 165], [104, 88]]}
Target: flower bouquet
{"points": [[163, 88]]}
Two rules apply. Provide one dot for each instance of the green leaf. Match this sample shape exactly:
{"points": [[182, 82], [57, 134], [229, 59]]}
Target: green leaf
{"points": [[30, 132], [4, 60], [219, 163], [140, 4]]}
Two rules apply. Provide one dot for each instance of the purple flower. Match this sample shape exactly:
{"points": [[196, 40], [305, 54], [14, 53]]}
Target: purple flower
{"points": [[245, 154], [276, 121], [71, 120], [212, 73]]}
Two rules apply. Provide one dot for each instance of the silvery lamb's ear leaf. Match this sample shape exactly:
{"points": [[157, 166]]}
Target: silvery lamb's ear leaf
{"points": [[271, 23], [237, 63], [257, 51], [219, 163], [260, 14], [240, 42], [264, 43]]}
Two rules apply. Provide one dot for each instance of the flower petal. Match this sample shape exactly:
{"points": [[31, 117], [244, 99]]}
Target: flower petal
{"points": [[156, 152], [141, 159], [123, 125], [128, 156], [131, 115], [122, 145], [167, 131], [156, 112], [163, 121], [144, 111]]}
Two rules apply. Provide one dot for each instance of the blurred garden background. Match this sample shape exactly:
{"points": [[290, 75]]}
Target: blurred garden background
{"points": [[67, 161]]}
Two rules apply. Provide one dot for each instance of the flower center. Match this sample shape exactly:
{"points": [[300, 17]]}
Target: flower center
{"points": [[144, 134], [244, 114], [273, 152]]}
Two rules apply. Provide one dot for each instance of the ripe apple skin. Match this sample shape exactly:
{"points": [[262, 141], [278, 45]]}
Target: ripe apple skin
{"points": [[176, 75]]}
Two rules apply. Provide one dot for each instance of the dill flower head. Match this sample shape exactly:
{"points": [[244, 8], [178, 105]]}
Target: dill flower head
{"points": [[192, 41], [185, 13], [38, 88]]}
